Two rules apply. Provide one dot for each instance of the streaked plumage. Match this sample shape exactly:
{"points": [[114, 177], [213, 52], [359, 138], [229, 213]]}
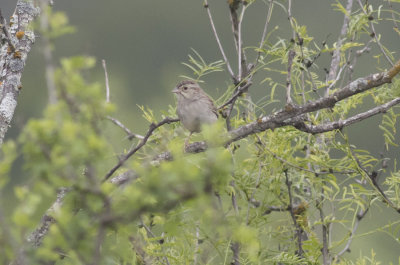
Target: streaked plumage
{"points": [[194, 106]]}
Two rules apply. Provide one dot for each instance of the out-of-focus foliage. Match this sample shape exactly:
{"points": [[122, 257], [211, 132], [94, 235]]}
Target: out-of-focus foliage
{"points": [[197, 208]]}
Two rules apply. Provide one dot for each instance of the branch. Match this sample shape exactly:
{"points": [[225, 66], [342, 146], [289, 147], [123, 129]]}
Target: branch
{"points": [[360, 215], [103, 62], [242, 65], [130, 134], [3, 26], [271, 4], [286, 117], [289, 102], [291, 210], [228, 66], [374, 35], [36, 237], [238, 92], [330, 126], [294, 117], [373, 178], [336, 53], [12, 63], [152, 127], [325, 232]]}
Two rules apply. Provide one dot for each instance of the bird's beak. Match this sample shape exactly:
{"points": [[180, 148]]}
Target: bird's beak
{"points": [[175, 90]]}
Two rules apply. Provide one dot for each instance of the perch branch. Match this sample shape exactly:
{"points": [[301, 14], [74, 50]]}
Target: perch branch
{"points": [[152, 127], [285, 117]]}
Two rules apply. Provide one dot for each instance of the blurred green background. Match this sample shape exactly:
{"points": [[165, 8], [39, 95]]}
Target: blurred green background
{"points": [[144, 43]]}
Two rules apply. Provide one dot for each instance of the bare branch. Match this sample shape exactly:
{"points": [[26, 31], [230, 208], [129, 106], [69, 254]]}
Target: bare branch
{"points": [[237, 35], [152, 127], [325, 231], [238, 92], [292, 214], [283, 117], [330, 126], [392, 12], [242, 65], [130, 134], [264, 35], [36, 237], [12, 63], [360, 215], [289, 10], [228, 66], [289, 101], [103, 62], [336, 53]]}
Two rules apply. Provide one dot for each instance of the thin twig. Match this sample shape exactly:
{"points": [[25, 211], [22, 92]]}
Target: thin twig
{"points": [[151, 234], [336, 53], [289, 101], [228, 66], [238, 92], [373, 178], [264, 35], [289, 10], [36, 237], [360, 215], [107, 83], [130, 134], [375, 36], [393, 17], [241, 56], [152, 127], [294, 219], [325, 232]]}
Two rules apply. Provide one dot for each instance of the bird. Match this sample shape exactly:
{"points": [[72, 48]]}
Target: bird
{"points": [[194, 107]]}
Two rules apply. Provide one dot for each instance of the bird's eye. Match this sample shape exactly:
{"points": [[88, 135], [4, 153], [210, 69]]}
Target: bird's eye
{"points": [[185, 88]]}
